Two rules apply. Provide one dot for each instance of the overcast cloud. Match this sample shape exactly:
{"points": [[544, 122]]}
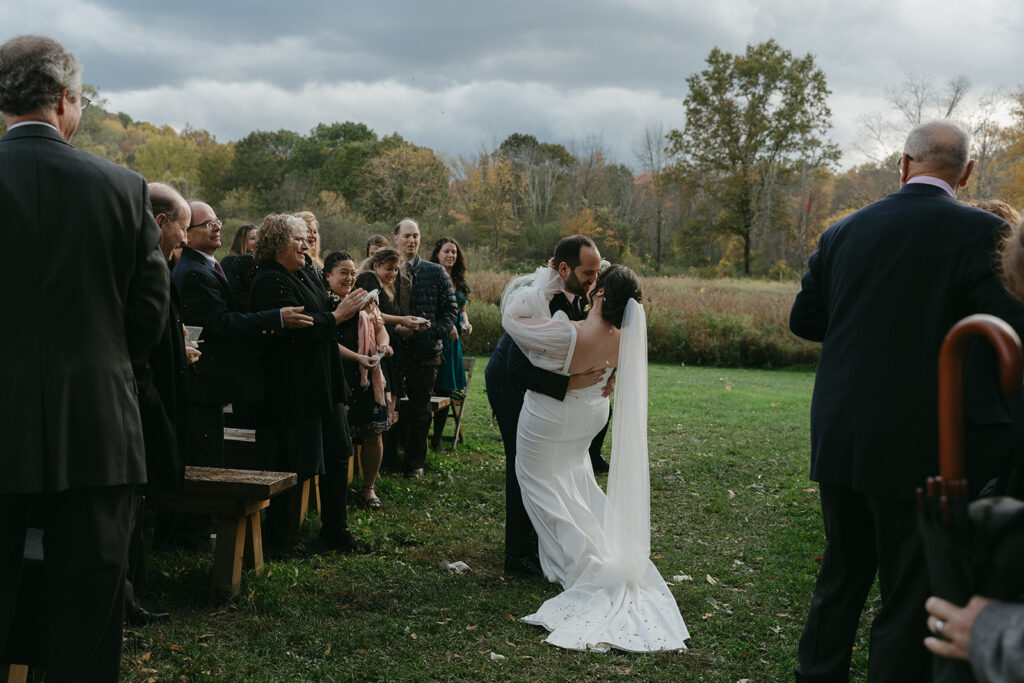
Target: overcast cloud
{"points": [[461, 76]]}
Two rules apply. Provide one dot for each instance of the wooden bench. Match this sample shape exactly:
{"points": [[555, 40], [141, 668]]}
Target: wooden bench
{"points": [[236, 497], [240, 453]]}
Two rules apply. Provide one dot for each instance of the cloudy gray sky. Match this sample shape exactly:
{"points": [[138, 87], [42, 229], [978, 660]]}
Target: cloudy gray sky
{"points": [[460, 76]]}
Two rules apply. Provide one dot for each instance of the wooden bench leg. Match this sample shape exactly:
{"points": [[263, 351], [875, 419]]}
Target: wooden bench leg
{"points": [[227, 557], [14, 673], [303, 504], [253, 556], [314, 498]]}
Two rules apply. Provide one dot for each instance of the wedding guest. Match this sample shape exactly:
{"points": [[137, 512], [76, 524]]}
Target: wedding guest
{"points": [[874, 435], [300, 423], [228, 370], [243, 243], [451, 375], [73, 445], [382, 277], [999, 208], [360, 344], [163, 405], [424, 290], [376, 242], [372, 245], [313, 254], [987, 633]]}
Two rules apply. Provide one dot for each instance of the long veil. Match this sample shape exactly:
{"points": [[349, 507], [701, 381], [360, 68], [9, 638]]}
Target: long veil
{"points": [[627, 517]]}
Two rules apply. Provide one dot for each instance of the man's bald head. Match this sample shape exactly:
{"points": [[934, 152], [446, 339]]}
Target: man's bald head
{"points": [[204, 229], [172, 215], [940, 149]]}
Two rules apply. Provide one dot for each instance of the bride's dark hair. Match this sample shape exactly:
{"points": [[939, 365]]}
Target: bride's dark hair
{"points": [[620, 284]]}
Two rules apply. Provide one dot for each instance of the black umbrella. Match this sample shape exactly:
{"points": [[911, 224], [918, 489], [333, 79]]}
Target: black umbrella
{"points": [[966, 546]]}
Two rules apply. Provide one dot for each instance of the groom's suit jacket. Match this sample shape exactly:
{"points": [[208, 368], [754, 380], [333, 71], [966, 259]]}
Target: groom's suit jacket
{"points": [[884, 287]]}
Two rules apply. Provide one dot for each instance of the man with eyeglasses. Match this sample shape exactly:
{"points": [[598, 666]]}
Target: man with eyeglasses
{"points": [[84, 313], [228, 369]]}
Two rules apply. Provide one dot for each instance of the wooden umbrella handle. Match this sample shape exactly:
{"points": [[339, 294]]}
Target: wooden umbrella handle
{"points": [[951, 382]]}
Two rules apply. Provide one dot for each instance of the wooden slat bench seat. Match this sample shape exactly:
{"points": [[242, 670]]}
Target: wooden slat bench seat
{"points": [[236, 497]]}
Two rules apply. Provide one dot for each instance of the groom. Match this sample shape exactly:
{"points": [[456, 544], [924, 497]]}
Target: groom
{"points": [[509, 375]]}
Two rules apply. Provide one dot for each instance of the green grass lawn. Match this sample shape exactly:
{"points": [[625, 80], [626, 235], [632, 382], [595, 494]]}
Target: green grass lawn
{"points": [[731, 508]]}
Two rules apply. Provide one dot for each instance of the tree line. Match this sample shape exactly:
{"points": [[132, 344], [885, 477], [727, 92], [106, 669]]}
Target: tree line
{"points": [[744, 186]]}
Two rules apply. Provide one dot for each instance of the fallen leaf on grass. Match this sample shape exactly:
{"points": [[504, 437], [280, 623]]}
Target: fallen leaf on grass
{"points": [[710, 579], [706, 615], [205, 636], [777, 629], [682, 577], [495, 657], [328, 650], [510, 644], [177, 648], [510, 617], [413, 636], [525, 657], [217, 614], [362, 651], [471, 628]]}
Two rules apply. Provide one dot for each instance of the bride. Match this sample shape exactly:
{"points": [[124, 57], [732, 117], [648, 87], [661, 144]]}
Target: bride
{"points": [[597, 547]]}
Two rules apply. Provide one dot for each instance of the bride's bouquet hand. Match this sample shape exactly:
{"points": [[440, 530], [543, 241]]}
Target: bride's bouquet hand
{"points": [[585, 379]]}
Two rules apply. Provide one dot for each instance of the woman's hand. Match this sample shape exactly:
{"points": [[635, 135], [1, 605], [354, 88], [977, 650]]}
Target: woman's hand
{"points": [[191, 355], [453, 333], [367, 362], [388, 351], [351, 304]]}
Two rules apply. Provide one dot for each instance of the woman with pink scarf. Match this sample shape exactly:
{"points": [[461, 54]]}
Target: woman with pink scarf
{"points": [[364, 342]]}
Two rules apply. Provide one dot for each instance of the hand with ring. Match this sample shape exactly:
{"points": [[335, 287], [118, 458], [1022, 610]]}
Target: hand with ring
{"points": [[952, 626]]}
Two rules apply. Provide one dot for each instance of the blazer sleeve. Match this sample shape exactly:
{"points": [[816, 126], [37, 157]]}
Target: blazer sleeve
{"points": [[809, 315], [997, 643], [533, 378], [273, 291], [149, 291], [204, 305]]}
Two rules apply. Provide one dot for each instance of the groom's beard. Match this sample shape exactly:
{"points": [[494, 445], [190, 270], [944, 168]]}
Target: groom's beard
{"points": [[574, 286]]}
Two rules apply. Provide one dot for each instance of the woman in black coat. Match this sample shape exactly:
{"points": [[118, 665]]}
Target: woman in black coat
{"points": [[300, 425]]}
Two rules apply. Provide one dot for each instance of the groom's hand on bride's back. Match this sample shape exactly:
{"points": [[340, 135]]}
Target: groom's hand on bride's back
{"points": [[585, 379], [609, 386]]}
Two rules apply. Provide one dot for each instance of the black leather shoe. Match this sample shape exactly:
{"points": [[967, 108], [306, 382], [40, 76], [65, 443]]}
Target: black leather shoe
{"points": [[133, 644], [144, 618], [599, 464], [343, 542], [523, 566]]}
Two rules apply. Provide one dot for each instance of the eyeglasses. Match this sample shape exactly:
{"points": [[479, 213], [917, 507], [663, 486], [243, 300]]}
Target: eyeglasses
{"points": [[899, 161], [207, 225], [301, 240], [83, 101]]}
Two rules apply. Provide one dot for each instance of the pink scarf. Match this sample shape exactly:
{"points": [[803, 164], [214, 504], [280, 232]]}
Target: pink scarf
{"points": [[368, 347]]}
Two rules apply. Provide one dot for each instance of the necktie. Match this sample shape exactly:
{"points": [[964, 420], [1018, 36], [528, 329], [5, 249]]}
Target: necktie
{"points": [[220, 271], [578, 305]]}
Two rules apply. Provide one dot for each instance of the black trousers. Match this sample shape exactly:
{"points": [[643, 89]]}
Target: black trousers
{"points": [[506, 401], [865, 534], [419, 386], [86, 536]]}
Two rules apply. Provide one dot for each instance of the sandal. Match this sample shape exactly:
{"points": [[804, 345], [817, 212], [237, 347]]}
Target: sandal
{"points": [[372, 503]]}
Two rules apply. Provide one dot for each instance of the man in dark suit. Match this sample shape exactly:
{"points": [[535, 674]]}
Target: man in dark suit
{"points": [[885, 286], [228, 369], [163, 403], [509, 374], [91, 303]]}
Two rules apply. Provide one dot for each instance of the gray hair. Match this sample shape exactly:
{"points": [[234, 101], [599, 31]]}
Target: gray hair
{"points": [[275, 233], [166, 200], [940, 146], [33, 72]]}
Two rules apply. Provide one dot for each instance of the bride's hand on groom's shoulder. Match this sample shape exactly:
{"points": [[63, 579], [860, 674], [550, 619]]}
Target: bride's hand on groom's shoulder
{"points": [[585, 379]]}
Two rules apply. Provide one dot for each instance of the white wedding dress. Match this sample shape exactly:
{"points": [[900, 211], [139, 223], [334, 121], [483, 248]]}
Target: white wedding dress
{"points": [[597, 547]]}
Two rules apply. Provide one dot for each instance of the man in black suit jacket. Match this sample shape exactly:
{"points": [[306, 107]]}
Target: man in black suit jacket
{"points": [[229, 369], [509, 374], [86, 302], [881, 292]]}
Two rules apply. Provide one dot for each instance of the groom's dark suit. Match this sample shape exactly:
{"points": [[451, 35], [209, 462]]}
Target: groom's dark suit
{"points": [[86, 298], [509, 374], [881, 292], [229, 368]]}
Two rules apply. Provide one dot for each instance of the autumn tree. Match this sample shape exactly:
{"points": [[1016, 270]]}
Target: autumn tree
{"points": [[752, 119], [405, 181]]}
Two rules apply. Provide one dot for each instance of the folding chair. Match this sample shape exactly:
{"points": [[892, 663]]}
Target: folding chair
{"points": [[458, 408]]}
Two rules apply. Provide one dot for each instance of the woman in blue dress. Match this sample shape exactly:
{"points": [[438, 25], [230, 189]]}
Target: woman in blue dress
{"points": [[451, 375]]}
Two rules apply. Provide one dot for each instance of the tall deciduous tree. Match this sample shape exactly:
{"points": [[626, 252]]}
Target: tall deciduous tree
{"points": [[405, 181], [751, 119]]}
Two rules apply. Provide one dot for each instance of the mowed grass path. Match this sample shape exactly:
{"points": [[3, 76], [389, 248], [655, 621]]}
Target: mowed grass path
{"points": [[732, 509]]}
